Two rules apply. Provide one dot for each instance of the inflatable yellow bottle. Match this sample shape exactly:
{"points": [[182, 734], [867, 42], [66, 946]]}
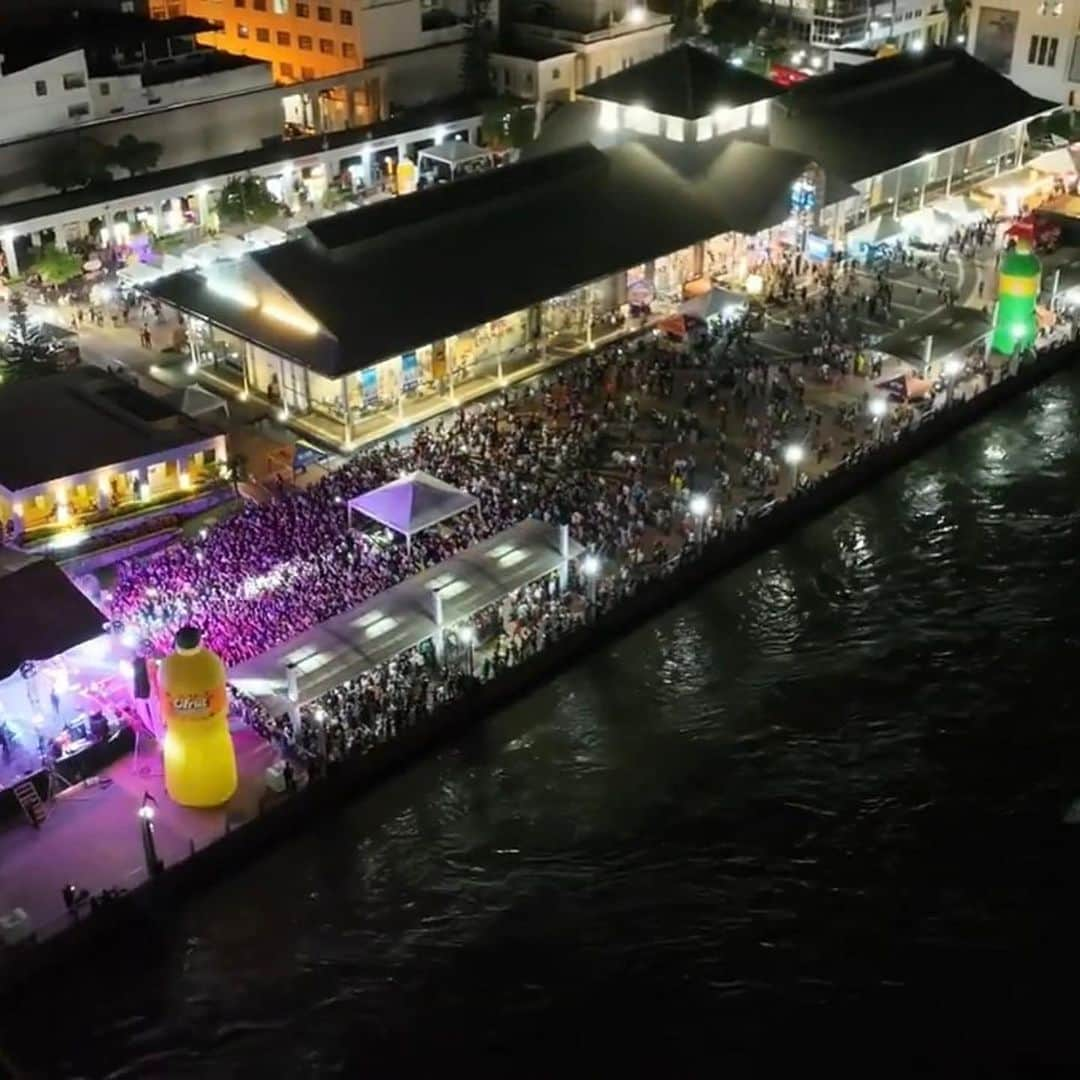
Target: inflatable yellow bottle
{"points": [[200, 763]]}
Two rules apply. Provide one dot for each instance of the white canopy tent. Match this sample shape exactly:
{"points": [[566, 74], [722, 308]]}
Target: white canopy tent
{"points": [[930, 224], [264, 236], [139, 273], [717, 303], [412, 503], [454, 154], [194, 401], [961, 207], [1064, 161], [875, 232]]}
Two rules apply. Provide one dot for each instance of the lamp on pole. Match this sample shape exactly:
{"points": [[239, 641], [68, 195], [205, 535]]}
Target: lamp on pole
{"points": [[952, 368], [878, 408], [590, 567], [146, 813], [793, 455], [699, 507]]}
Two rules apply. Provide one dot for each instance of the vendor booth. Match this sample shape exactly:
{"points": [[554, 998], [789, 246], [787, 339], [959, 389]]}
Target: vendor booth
{"points": [[450, 160]]}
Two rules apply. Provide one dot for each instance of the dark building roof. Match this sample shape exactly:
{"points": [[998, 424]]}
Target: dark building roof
{"points": [[400, 274], [684, 81], [864, 119], [62, 425], [27, 40], [42, 614], [446, 112]]}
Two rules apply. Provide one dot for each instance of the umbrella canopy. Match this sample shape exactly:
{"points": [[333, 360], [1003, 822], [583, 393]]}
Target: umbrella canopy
{"points": [[876, 231], [412, 503]]}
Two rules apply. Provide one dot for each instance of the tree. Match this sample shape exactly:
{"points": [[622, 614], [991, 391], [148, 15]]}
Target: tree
{"points": [[54, 267], [734, 23], [25, 353], [236, 470], [475, 66], [134, 155], [245, 199], [73, 163]]}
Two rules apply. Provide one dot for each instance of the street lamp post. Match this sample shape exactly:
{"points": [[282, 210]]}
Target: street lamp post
{"points": [[699, 507], [590, 566], [793, 455], [146, 814], [952, 369], [878, 408]]}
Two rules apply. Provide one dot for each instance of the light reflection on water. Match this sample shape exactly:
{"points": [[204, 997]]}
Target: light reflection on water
{"points": [[822, 781]]}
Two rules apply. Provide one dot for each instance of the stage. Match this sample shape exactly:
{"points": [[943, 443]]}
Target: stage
{"points": [[64, 712]]}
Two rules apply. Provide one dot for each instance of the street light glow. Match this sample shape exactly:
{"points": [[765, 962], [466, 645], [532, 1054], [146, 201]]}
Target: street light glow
{"points": [[953, 366], [467, 635], [699, 505], [590, 565], [636, 15], [794, 453], [146, 812], [878, 407]]}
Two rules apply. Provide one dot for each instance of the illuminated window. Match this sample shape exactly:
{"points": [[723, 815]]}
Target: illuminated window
{"points": [[281, 7], [242, 31]]}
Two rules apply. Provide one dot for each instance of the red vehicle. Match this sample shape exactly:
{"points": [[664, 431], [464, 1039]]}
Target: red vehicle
{"points": [[1039, 231]]}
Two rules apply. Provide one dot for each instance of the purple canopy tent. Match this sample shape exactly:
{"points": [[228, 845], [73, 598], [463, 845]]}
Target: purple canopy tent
{"points": [[412, 504]]}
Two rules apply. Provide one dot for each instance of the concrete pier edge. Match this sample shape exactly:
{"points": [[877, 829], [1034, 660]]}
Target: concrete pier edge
{"points": [[138, 909]]}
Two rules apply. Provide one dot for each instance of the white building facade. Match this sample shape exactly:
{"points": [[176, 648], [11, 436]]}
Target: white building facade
{"points": [[1036, 43]]}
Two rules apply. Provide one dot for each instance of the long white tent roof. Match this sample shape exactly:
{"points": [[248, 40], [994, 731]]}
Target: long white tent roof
{"points": [[403, 616], [412, 503]]}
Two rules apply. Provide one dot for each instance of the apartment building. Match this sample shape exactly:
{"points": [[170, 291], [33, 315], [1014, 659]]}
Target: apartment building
{"points": [[1036, 43]]}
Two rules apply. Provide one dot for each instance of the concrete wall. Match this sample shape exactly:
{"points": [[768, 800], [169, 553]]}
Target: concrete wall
{"points": [[390, 27], [428, 75], [25, 112], [126, 93]]}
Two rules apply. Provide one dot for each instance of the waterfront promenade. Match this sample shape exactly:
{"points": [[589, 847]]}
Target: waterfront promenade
{"points": [[675, 438]]}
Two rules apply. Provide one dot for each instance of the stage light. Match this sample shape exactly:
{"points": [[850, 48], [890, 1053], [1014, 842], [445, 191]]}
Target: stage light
{"points": [[878, 407], [146, 812], [129, 639]]}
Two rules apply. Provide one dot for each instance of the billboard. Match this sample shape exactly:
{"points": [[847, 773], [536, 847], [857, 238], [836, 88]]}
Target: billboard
{"points": [[995, 38]]}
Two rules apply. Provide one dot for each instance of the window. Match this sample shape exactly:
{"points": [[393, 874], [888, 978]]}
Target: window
{"points": [[286, 71], [303, 10], [281, 7], [259, 5], [262, 34], [1042, 51], [40, 88], [554, 74], [104, 88], [326, 14], [81, 109], [307, 73], [74, 81], [326, 46], [239, 3], [348, 50], [284, 37], [1074, 67], [173, 11], [304, 42], [242, 31], [345, 16]]}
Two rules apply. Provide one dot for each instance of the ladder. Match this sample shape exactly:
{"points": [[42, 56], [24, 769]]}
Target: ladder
{"points": [[31, 802]]}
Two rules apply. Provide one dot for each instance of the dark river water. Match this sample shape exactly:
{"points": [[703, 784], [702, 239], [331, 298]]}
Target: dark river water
{"points": [[814, 813]]}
